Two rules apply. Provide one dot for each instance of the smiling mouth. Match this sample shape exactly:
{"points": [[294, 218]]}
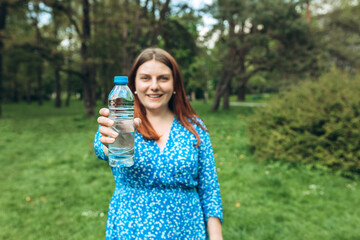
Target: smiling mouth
{"points": [[154, 95]]}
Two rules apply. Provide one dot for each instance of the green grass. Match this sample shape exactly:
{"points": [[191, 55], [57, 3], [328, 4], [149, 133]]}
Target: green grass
{"points": [[53, 187]]}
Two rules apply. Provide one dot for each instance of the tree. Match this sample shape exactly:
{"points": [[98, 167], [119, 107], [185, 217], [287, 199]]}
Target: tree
{"points": [[179, 37], [90, 41], [259, 36], [341, 26], [3, 13], [34, 13], [84, 34]]}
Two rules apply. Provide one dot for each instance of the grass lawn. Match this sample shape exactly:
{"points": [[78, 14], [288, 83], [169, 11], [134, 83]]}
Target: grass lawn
{"points": [[53, 186]]}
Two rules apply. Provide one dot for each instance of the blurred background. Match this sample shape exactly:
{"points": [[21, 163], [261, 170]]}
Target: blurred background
{"points": [[276, 82], [59, 49]]}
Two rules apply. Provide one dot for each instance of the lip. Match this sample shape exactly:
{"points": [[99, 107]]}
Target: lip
{"points": [[154, 96]]}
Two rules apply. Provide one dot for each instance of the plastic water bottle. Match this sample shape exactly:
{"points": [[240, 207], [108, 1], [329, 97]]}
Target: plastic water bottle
{"points": [[121, 106]]}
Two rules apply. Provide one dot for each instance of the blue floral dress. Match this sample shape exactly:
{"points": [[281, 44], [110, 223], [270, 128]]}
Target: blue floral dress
{"points": [[166, 194]]}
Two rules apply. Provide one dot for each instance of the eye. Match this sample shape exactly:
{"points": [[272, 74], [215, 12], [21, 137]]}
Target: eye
{"points": [[163, 78], [144, 78]]}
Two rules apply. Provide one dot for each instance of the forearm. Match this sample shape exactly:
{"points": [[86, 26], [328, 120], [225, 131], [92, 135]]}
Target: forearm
{"points": [[100, 149], [214, 228]]}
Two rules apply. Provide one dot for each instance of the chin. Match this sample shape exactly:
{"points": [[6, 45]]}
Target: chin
{"points": [[154, 108]]}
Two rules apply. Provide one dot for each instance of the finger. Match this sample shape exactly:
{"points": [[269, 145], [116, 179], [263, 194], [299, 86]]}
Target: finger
{"points": [[104, 112], [104, 121], [107, 140], [137, 122], [108, 132]]}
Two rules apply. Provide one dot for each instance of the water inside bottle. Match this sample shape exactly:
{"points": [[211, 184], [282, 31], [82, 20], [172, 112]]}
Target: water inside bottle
{"points": [[121, 152]]}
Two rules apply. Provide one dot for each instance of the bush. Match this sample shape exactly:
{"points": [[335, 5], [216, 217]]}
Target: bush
{"points": [[317, 123]]}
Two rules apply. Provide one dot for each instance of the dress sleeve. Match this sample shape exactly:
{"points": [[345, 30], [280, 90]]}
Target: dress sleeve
{"points": [[208, 187], [98, 147]]}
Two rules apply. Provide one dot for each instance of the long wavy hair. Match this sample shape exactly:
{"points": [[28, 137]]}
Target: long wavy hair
{"points": [[178, 103]]}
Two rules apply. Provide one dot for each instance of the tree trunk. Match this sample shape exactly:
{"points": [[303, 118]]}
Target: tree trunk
{"points": [[28, 91], [225, 80], [57, 88], [218, 93], [15, 93], [226, 104], [104, 80], [216, 103], [39, 70], [158, 25], [154, 38], [39, 83], [69, 76], [89, 101], [243, 78], [164, 10], [39, 67], [124, 55], [136, 25], [308, 13], [206, 96], [3, 11], [220, 89], [241, 93], [229, 69], [68, 90], [93, 74]]}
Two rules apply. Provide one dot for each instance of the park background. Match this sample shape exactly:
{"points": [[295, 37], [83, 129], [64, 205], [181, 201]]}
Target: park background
{"points": [[275, 81]]}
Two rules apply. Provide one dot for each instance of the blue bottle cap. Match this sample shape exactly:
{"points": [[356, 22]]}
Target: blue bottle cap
{"points": [[121, 80]]}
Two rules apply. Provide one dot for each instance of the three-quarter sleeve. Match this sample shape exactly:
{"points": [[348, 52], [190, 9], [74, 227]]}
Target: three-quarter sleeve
{"points": [[98, 147], [208, 187]]}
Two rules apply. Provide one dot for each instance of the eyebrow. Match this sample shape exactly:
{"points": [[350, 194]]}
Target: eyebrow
{"points": [[161, 75], [165, 75]]}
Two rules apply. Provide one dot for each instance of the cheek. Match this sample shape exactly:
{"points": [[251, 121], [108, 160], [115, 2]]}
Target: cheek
{"points": [[170, 86], [139, 87], [136, 85]]}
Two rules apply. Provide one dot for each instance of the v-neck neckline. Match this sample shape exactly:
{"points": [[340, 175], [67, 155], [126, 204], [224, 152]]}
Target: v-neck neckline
{"points": [[167, 140]]}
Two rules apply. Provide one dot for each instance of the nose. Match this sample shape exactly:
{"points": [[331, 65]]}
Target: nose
{"points": [[154, 84]]}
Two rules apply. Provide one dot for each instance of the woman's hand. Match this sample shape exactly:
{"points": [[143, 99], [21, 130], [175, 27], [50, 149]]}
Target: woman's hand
{"points": [[108, 134]]}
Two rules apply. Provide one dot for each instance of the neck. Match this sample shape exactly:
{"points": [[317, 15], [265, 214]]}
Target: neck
{"points": [[159, 115]]}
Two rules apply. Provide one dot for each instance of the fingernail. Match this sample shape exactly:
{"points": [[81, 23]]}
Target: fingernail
{"points": [[111, 122], [115, 134]]}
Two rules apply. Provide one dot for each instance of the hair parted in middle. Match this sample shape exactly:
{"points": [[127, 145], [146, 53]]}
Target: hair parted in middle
{"points": [[178, 103]]}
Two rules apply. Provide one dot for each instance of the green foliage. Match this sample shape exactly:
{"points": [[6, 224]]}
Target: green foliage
{"points": [[181, 35], [317, 123], [341, 28], [267, 39]]}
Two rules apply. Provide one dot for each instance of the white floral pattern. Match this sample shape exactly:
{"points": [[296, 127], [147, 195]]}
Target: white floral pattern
{"points": [[168, 194]]}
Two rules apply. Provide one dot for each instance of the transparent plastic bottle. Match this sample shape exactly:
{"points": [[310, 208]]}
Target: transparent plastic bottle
{"points": [[121, 106]]}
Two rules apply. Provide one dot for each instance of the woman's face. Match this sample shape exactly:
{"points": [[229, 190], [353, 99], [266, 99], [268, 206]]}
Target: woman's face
{"points": [[154, 85]]}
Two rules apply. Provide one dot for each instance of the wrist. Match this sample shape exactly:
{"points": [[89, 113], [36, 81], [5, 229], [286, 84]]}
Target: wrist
{"points": [[106, 150]]}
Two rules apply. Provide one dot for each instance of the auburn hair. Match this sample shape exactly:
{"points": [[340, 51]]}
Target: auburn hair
{"points": [[178, 103]]}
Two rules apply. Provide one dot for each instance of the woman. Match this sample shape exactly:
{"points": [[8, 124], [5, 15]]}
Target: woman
{"points": [[171, 191]]}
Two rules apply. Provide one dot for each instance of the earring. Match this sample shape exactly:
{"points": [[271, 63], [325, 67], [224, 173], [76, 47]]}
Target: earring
{"points": [[174, 92], [135, 92]]}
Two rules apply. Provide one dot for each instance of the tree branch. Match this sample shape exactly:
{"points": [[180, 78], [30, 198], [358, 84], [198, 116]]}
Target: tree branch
{"points": [[77, 73], [67, 11]]}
